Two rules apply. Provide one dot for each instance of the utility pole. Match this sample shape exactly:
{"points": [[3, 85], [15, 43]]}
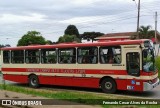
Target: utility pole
{"points": [[155, 27], [138, 19]]}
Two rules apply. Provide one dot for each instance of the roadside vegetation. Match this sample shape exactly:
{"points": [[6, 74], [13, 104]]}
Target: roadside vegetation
{"points": [[158, 65], [78, 97], [60, 94]]}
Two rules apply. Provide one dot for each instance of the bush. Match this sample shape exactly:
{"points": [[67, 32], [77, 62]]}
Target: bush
{"points": [[158, 65]]}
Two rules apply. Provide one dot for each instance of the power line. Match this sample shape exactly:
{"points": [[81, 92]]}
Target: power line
{"points": [[124, 19], [84, 22]]}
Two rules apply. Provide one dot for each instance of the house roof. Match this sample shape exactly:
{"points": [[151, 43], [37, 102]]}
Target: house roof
{"points": [[118, 34], [121, 36]]}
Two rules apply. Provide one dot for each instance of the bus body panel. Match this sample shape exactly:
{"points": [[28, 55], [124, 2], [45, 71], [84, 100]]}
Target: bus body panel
{"points": [[16, 78], [70, 81], [124, 82], [83, 75]]}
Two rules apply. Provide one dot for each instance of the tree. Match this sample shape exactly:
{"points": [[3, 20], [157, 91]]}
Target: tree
{"points": [[1, 46], [6, 45], [144, 32], [91, 35], [49, 42], [31, 37], [72, 30], [68, 38]]}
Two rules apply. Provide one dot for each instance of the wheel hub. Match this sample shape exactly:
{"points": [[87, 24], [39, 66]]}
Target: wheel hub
{"points": [[108, 85], [33, 81]]}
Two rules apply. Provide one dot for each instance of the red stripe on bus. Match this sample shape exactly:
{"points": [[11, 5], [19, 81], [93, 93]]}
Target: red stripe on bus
{"points": [[14, 69]]}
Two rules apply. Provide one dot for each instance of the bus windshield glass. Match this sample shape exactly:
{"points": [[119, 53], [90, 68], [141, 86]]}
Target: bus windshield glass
{"points": [[148, 44], [148, 60]]}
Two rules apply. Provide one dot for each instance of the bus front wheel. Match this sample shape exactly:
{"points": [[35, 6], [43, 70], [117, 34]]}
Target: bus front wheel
{"points": [[33, 81], [108, 85]]}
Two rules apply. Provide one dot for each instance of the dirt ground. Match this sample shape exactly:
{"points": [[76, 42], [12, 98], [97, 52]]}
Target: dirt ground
{"points": [[13, 95]]}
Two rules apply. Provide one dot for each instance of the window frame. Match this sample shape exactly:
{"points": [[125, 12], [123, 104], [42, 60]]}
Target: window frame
{"points": [[73, 56], [39, 56], [51, 49], [17, 57], [112, 55], [96, 48], [9, 57]]}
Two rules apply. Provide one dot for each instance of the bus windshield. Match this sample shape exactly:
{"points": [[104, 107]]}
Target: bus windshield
{"points": [[148, 60]]}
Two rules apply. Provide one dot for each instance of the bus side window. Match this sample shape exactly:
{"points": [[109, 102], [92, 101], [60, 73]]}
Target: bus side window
{"points": [[95, 59], [87, 55], [102, 57], [17, 56], [49, 56], [6, 57], [110, 55], [67, 56], [32, 56], [85, 58]]}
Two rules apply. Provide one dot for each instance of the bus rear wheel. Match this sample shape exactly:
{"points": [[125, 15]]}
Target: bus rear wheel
{"points": [[108, 85], [33, 81]]}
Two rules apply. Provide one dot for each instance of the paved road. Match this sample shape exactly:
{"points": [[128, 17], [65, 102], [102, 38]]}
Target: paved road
{"points": [[155, 93]]}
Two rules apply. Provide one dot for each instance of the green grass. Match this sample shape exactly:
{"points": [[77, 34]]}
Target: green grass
{"points": [[47, 93], [158, 65], [79, 97]]}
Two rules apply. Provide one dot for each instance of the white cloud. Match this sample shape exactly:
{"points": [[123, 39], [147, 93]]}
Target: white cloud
{"points": [[98, 19], [83, 3], [89, 2], [11, 18], [78, 20]]}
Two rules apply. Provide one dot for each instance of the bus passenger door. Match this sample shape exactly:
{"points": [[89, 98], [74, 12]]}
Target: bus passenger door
{"points": [[133, 63]]}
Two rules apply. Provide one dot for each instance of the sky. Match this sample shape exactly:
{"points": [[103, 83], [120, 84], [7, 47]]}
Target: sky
{"points": [[51, 17]]}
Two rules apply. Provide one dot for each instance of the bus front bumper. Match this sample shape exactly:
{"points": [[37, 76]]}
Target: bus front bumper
{"points": [[147, 86]]}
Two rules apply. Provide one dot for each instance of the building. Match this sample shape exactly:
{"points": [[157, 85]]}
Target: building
{"points": [[115, 36], [120, 36]]}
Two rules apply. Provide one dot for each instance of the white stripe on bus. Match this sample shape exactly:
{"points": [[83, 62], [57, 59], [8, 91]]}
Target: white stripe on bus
{"points": [[86, 75]]}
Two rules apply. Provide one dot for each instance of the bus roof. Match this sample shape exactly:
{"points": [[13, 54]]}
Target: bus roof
{"points": [[69, 45]]}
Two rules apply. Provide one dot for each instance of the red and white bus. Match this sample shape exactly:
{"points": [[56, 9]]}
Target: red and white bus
{"points": [[111, 66]]}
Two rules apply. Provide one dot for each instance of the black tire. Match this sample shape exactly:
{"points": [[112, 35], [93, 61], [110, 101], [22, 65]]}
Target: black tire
{"points": [[108, 85], [33, 81]]}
